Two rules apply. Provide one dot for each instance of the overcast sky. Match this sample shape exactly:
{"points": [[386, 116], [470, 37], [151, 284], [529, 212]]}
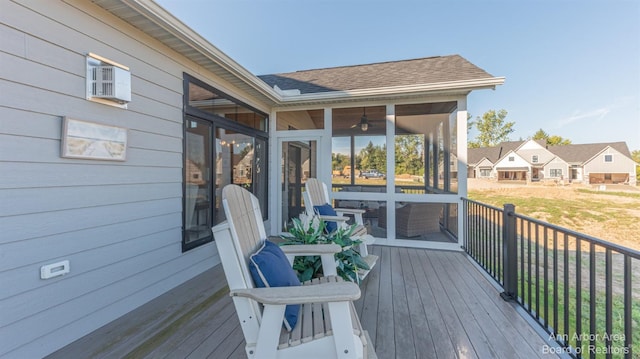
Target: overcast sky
{"points": [[572, 67]]}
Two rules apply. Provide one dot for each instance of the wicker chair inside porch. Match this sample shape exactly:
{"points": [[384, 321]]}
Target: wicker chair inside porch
{"points": [[415, 219]]}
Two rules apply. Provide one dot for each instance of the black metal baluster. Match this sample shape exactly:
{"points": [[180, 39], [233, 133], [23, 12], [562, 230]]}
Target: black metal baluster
{"points": [[578, 296], [628, 320], [566, 285], [521, 274], [546, 277], [537, 267], [592, 299], [609, 301], [555, 281]]}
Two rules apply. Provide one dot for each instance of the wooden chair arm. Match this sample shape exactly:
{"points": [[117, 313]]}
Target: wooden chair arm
{"points": [[333, 218], [311, 249], [350, 210], [318, 293]]}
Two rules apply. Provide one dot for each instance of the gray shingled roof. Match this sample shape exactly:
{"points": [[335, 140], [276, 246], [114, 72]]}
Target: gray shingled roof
{"points": [[428, 70], [579, 153], [584, 152], [493, 154]]}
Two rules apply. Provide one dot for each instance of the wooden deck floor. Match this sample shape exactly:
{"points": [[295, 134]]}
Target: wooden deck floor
{"points": [[415, 304]]}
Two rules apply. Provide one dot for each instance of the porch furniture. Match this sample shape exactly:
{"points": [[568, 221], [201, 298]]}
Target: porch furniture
{"points": [[414, 219], [315, 195], [327, 325]]}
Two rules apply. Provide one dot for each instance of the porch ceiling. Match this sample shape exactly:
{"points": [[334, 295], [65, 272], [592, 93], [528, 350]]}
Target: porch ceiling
{"points": [[408, 120]]}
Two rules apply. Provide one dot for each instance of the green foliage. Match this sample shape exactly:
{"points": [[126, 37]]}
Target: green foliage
{"points": [[372, 157], [311, 230], [540, 135], [492, 129], [635, 155], [552, 140], [409, 154], [339, 161]]}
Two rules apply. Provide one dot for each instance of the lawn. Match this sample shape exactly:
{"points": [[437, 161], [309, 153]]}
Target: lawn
{"points": [[610, 216]]}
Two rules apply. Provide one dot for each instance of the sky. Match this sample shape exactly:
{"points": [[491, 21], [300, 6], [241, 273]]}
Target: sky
{"points": [[572, 67]]}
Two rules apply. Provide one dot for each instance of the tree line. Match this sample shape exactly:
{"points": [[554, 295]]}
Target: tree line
{"points": [[494, 129]]}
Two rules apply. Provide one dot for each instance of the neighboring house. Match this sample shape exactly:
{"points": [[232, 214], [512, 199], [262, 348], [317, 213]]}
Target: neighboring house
{"points": [[512, 167], [126, 230], [535, 153], [482, 160], [599, 163], [594, 163]]}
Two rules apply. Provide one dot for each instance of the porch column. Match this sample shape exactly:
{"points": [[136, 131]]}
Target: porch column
{"points": [[462, 164], [462, 146], [325, 169], [273, 227], [391, 171]]}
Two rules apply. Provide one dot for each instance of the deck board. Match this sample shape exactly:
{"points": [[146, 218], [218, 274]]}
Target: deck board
{"points": [[384, 339], [403, 326], [415, 303], [436, 330], [460, 341]]}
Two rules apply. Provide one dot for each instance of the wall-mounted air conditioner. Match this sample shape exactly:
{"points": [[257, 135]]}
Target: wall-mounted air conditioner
{"points": [[108, 82], [111, 83]]}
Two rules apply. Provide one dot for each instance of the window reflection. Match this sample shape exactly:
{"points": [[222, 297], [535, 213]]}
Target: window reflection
{"points": [[197, 217], [225, 143], [219, 104]]}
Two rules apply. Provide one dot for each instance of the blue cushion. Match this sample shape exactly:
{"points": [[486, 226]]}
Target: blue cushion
{"points": [[327, 210], [269, 267]]}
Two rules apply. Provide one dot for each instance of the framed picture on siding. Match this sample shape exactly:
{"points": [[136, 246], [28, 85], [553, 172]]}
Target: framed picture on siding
{"points": [[93, 141]]}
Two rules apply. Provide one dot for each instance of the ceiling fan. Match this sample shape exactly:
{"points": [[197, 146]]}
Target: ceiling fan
{"points": [[364, 121]]}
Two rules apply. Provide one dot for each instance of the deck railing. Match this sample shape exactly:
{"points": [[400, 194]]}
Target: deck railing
{"points": [[584, 292]]}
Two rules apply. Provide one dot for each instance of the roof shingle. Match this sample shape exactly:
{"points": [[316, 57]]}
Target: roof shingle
{"points": [[428, 70]]}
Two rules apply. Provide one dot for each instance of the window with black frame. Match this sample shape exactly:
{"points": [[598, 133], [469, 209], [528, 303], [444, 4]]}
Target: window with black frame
{"points": [[225, 142]]}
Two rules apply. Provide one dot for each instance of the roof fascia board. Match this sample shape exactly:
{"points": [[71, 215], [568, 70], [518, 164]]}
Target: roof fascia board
{"points": [[155, 13], [465, 85], [369, 102]]}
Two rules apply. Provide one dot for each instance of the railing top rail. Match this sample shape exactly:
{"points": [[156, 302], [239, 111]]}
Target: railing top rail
{"points": [[482, 204]]}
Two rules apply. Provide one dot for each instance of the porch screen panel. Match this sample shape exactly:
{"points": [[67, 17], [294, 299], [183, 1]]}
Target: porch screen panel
{"points": [[425, 142], [341, 161], [359, 160]]}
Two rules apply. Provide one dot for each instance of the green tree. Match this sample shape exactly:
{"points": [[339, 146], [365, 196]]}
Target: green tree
{"points": [[492, 129], [409, 154], [373, 157], [552, 140], [635, 155], [339, 160]]}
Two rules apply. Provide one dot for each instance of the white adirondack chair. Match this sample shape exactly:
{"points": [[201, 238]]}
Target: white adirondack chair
{"points": [[316, 194], [328, 326]]}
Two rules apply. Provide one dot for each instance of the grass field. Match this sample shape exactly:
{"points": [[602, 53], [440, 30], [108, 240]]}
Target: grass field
{"points": [[612, 216]]}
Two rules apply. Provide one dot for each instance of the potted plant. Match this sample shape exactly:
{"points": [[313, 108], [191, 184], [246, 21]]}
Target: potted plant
{"points": [[312, 230]]}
